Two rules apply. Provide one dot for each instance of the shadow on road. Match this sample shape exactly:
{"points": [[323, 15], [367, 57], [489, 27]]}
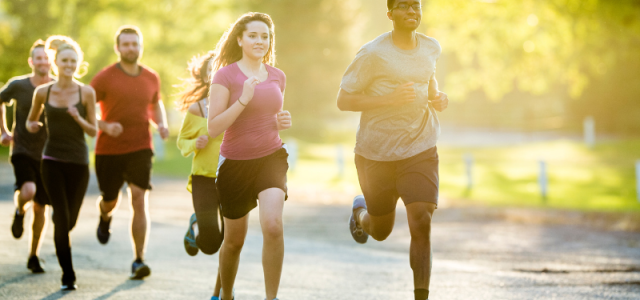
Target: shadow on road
{"points": [[15, 279], [56, 295], [127, 285]]}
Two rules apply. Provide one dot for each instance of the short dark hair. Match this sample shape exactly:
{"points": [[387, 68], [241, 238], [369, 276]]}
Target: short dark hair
{"points": [[390, 4], [128, 29], [37, 44]]}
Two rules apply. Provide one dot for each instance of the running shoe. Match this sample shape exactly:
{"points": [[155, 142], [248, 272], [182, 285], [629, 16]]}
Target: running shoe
{"points": [[214, 298], [17, 227], [34, 265], [139, 270], [68, 282], [358, 234], [103, 231], [190, 238]]}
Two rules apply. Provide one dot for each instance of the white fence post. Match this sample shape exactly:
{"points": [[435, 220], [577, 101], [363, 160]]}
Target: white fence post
{"points": [[158, 146], [638, 179], [468, 161], [589, 131], [543, 180], [292, 150], [340, 160]]}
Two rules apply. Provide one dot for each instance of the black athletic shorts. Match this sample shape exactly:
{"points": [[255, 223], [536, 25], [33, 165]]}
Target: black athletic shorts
{"points": [[113, 170], [27, 169], [414, 179], [240, 181]]}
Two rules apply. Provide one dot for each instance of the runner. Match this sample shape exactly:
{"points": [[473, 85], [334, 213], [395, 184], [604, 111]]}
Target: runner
{"points": [[391, 81], [203, 232], [69, 109], [26, 151], [246, 99], [129, 96]]}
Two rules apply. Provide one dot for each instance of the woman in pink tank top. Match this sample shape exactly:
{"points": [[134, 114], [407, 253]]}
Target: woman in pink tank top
{"points": [[245, 102]]}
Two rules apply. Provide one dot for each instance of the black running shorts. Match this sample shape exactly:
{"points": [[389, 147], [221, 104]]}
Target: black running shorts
{"points": [[240, 181], [113, 170], [413, 179], [27, 169]]}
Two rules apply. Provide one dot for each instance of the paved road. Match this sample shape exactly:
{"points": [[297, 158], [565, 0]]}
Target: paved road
{"points": [[474, 258]]}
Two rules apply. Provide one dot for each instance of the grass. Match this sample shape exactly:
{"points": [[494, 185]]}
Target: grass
{"points": [[599, 179]]}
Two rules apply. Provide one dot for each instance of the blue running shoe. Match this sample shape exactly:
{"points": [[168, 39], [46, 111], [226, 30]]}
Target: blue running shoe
{"points": [[214, 298], [190, 238], [355, 227]]}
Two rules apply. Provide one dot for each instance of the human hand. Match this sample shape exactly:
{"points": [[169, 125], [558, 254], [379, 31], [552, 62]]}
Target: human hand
{"points": [[202, 141], [163, 131], [33, 126], [6, 139], [284, 120], [441, 102], [248, 89], [113, 129], [73, 111], [404, 93]]}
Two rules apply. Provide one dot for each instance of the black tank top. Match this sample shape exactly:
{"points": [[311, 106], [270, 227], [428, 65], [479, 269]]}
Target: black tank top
{"points": [[65, 140]]}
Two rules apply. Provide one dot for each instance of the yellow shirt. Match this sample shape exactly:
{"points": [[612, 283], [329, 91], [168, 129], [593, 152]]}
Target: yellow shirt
{"points": [[205, 161]]}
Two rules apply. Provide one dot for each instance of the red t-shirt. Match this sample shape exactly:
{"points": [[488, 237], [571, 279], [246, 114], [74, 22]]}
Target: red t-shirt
{"points": [[254, 133], [126, 99]]}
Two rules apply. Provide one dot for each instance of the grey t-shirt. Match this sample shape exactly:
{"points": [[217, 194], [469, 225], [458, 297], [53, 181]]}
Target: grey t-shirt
{"points": [[20, 90], [394, 132]]}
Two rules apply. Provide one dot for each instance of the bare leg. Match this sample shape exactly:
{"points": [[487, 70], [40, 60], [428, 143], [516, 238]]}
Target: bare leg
{"points": [[140, 221], [107, 207], [216, 290], [378, 227], [419, 215], [24, 195], [235, 232], [271, 205], [38, 226]]}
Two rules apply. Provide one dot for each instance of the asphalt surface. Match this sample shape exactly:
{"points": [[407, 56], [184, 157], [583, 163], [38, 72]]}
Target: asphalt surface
{"points": [[474, 258]]}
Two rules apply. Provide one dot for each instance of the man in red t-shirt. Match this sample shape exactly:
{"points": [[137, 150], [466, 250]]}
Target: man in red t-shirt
{"points": [[129, 97]]}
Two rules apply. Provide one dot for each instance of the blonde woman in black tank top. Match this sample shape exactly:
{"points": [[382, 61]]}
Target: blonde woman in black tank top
{"points": [[69, 108]]}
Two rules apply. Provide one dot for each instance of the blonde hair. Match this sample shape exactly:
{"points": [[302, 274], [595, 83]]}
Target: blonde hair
{"points": [[56, 44], [196, 87]]}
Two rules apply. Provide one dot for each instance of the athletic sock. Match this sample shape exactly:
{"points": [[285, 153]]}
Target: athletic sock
{"points": [[359, 215], [421, 294]]}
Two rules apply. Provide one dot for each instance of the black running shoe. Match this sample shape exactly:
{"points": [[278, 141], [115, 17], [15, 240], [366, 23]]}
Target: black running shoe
{"points": [[68, 282], [139, 270], [34, 265], [103, 230], [17, 227]]}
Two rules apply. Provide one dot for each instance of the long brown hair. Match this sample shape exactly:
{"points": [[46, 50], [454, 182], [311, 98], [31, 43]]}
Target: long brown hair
{"points": [[196, 87], [228, 49]]}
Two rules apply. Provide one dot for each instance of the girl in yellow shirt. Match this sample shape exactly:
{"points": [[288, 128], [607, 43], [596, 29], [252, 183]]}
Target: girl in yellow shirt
{"points": [[204, 233]]}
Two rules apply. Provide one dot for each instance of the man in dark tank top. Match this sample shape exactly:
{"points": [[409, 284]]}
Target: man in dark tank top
{"points": [[26, 150]]}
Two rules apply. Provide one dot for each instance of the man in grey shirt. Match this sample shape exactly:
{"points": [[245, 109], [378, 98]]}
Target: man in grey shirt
{"points": [[392, 82], [26, 150]]}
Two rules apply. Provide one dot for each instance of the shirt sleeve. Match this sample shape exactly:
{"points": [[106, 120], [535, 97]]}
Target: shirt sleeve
{"points": [[98, 86], [221, 78], [156, 95], [6, 94], [187, 136], [360, 73]]}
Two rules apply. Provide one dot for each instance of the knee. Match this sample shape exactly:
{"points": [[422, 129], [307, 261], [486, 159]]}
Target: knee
{"points": [[139, 204], [233, 245], [381, 234], [28, 191], [272, 229], [422, 228]]}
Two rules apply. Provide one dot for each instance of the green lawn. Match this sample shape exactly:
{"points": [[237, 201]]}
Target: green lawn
{"points": [[600, 179]]}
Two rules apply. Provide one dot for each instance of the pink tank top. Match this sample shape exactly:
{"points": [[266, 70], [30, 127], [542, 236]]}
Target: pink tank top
{"points": [[254, 133]]}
